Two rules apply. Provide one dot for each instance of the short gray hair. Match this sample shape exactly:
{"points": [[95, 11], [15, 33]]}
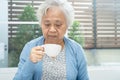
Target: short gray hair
{"points": [[63, 4]]}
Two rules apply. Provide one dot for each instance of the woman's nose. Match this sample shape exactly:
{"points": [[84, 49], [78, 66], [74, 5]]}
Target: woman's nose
{"points": [[52, 29]]}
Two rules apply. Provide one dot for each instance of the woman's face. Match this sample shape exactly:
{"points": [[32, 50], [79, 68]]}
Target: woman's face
{"points": [[54, 25]]}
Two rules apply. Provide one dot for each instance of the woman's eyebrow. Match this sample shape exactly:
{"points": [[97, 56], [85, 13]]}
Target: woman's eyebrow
{"points": [[58, 21], [46, 21]]}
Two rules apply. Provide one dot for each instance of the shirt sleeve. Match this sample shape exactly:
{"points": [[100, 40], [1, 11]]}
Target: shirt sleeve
{"points": [[25, 67], [82, 65]]}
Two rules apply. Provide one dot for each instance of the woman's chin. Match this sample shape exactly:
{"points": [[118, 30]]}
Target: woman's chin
{"points": [[51, 42]]}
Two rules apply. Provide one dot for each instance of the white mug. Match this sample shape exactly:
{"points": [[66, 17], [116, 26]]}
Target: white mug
{"points": [[52, 50]]}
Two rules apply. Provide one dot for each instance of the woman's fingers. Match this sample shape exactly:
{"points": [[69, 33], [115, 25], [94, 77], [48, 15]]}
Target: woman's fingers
{"points": [[39, 48], [37, 54]]}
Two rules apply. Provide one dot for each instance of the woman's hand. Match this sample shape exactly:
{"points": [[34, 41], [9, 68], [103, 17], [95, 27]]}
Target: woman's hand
{"points": [[36, 54]]}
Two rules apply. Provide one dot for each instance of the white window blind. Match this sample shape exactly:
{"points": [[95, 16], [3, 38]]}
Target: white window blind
{"points": [[108, 23], [99, 20]]}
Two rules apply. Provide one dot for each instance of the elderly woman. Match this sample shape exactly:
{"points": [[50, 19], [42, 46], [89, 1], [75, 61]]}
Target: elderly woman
{"points": [[55, 16]]}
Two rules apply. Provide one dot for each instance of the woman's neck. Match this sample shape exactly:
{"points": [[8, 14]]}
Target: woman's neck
{"points": [[61, 42]]}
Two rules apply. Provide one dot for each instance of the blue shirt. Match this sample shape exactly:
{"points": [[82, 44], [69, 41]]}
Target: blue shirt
{"points": [[76, 67]]}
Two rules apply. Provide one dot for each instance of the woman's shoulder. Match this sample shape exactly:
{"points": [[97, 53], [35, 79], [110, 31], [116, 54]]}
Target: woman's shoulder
{"points": [[71, 42], [36, 41]]}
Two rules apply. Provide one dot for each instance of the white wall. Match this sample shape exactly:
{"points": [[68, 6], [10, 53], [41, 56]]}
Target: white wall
{"points": [[4, 33], [103, 56], [104, 73]]}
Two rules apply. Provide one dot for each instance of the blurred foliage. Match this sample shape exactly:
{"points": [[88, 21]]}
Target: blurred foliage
{"points": [[28, 14], [75, 33], [25, 33]]}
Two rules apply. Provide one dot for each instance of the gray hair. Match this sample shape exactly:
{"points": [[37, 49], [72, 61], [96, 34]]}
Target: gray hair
{"points": [[63, 4]]}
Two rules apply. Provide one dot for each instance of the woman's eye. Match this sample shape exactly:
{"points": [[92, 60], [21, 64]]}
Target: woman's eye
{"points": [[47, 25], [58, 25]]}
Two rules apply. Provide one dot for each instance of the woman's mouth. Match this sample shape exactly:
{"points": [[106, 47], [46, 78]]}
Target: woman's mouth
{"points": [[52, 37]]}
